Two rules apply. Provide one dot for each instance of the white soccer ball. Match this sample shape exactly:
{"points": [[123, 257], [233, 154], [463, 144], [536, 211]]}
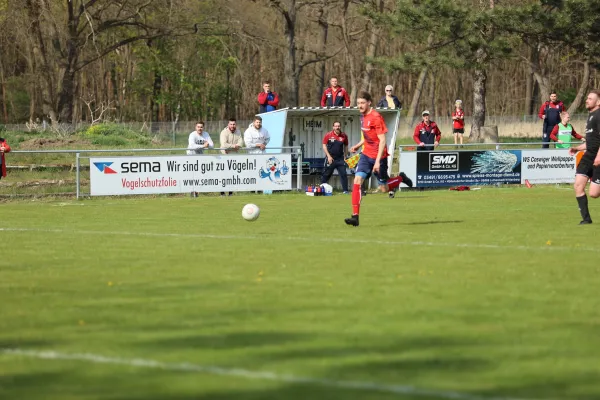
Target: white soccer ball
{"points": [[250, 212]]}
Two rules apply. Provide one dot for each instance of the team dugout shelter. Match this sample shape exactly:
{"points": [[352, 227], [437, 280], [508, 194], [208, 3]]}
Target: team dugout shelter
{"points": [[306, 127]]}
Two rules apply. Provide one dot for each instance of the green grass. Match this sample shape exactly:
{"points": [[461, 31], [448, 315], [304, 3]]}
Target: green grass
{"points": [[490, 293]]}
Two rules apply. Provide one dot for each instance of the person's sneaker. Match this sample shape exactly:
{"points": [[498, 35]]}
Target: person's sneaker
{"points": [[353, 220], [391, 194], [585, 222], [406, 180], [346, 192]]}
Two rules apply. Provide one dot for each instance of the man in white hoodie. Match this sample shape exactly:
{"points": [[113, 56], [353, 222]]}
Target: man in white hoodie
{"points": [[256, 137], [199, 140]]}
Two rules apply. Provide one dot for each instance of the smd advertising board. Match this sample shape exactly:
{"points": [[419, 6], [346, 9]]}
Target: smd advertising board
{"points": [[488, 167]]}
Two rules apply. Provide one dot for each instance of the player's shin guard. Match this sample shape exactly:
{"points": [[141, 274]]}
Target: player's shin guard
{"points": [[356, 197], [582, 201]]}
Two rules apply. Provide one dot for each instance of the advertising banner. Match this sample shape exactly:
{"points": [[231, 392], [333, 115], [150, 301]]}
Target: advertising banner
{"points": [[185, 174], [548, 166], [454, 168]]}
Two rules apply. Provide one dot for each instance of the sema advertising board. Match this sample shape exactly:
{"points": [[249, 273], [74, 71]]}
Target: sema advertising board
{"points": [[454, 168], [185, 174]]}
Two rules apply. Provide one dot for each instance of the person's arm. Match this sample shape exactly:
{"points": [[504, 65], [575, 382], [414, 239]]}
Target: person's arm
{"points": [[345, 146], [416, 137], [275, 101], [240, 140], [346, 98], [357, 146], [192, 143], [327, 155], [324, 98], [574, 150], [576, 135], [6, 146], [248, 139], [380, 150], [262, 98], [553, 134], [438, 136], [382, 103], [542, 113], [225, 145], [397, 102], [208, 140]]}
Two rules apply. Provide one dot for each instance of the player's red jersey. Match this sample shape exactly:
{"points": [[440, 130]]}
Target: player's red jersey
{"points": [[371, 125], [458, 123]]}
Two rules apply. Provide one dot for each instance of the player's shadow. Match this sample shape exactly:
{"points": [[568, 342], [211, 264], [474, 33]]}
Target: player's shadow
{"points": [[434, 222]]}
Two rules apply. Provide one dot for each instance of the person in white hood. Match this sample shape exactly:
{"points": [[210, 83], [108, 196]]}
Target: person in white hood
{"points": [[199, 140], [256, 137]]}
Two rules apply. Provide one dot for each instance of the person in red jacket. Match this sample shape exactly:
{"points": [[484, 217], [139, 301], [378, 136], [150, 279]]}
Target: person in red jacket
{"points": [[427, 134], [267, 100], [335, 96], [550, 113], [4, 148]]}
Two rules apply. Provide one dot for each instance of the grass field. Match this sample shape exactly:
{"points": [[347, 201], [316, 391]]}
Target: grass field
{"points": [[437, 295]]}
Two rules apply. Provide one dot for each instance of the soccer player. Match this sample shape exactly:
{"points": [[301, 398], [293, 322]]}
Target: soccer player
{"points": [[373, 158], [589, 166]]}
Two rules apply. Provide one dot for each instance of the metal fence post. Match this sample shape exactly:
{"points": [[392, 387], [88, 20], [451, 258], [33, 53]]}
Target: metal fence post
{"points": [[77, 175], [299, 170]]}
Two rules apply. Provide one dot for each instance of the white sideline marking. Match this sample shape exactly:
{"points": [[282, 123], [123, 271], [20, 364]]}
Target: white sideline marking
{"points": [[248, 374], [311, 239]]}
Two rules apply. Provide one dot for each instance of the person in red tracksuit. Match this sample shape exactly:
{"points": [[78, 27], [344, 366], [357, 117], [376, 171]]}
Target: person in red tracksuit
{"points": [[335, 96], [550, 113], [4, 148], [427, 134], [458, 122]]}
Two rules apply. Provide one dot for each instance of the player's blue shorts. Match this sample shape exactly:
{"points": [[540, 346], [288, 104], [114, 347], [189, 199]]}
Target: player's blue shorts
{"points": [[364, 168]]}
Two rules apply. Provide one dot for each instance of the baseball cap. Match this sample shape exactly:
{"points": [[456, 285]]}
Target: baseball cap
{"points": [[426, 112]]}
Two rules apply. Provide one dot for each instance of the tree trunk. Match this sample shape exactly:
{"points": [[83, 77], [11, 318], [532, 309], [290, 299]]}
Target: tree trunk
{"points": [[320, 68], [292, 97], [39, 50], [412, 111], [432, 92], [370, 52], [529, 99], [479, 89], [349, 54], [3, 84], [585, 81], [69, 84]]}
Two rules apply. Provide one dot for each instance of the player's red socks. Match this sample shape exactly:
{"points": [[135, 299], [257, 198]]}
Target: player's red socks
{"points": [[356, 197]]}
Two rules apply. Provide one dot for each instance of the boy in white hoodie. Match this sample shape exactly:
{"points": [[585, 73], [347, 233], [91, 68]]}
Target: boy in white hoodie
{"points": [[256, 137]]}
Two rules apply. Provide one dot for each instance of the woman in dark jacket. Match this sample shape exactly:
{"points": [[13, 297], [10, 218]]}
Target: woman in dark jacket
{"points": [[389, 100]]}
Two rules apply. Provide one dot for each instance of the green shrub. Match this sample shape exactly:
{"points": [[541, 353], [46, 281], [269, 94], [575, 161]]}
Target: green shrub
{"points": [[114, 135]]}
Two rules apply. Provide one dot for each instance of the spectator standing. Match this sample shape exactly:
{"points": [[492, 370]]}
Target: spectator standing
{"points": [[199, 140], [550, 113], [564, 132], [231, 140], [335, 96], [335, 147], [389, 100], [427, 134], [4, 148], [267, 100], [458, 122], [256, 137]]}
